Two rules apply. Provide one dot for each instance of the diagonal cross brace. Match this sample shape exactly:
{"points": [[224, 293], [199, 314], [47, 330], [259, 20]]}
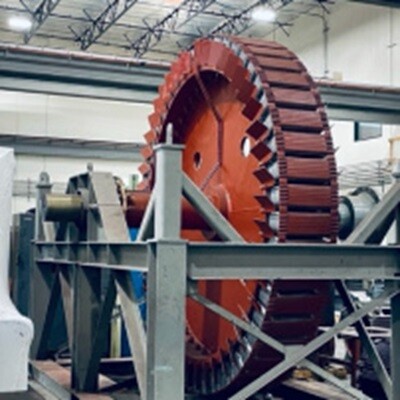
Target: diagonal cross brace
{"points": [[39, 16], [286, 350], [98, 26], [362, 234], [298, 356]]}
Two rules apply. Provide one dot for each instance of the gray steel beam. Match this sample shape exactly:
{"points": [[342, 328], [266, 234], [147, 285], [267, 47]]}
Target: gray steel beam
{"points": [[360, 103], [87, 309], [117, 256], [366, 340], [304, 351], [383, 3], [364, 233], [109, 223], [207, 210], [166, 281], [72, 74], [71, 148], [288, 261], [395, 347], [238, 261], [286, 350]]}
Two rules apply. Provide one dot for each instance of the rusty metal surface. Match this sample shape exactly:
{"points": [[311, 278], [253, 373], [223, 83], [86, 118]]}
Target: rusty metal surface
{"points": [[257, 142]]}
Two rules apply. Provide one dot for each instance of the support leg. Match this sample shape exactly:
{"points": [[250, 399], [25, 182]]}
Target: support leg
{"points": [[395, 343], [166, 295]]}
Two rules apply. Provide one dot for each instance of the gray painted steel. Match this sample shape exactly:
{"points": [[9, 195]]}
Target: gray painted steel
{"points": [[315, 344], [51, 74], [240, 261], [288, 261], [166, 280], [72, 148], [40, 73], [170, 261]]}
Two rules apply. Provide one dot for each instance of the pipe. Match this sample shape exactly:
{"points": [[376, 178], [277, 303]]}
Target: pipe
{"points": [[137, 202], [82, 56], [64, 207], [353, 208]]}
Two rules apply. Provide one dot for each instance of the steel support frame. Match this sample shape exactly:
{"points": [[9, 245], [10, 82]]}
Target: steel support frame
{"points": [[122, 79], [99, 25], [39, 16], [154, 33], [159, 357]]}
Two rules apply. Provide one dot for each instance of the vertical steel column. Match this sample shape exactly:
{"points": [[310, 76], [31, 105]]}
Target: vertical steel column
{"points": [[167, 282], [44, 285], [395, 314], [395, 343], [87, 303]]}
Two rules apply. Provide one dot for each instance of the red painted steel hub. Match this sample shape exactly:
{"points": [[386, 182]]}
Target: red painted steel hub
{"points": [[257, 143]]}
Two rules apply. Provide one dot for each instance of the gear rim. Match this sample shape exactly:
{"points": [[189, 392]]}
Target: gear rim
{"points": [[228, 373]]}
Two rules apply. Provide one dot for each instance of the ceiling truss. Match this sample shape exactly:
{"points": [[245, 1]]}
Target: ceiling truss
{"points": [[149, 29], [39, 16], [114, 11]]}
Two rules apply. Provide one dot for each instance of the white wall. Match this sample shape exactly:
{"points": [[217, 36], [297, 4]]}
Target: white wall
{"points": [[69, 117], [363, 47]]}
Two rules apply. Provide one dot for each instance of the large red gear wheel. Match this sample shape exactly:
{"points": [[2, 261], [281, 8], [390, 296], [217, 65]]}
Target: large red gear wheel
{"points": [[257, 142]]}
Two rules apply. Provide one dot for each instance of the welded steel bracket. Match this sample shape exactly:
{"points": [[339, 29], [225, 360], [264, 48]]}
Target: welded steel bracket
{"points": [[101, 244]]}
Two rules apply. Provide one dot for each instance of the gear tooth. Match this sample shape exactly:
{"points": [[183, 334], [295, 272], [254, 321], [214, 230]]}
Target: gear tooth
{"points": [[217, 53], [169, 80], [142, 186], [260, 150], [246, 89], [239, 78], [228, 65], [186, 62], [154, 120], [150, 137], [257, 129], [144, 168], [251, 108], [147, 152], [263, 175], [159, 105], [202, 51], [264, 228], [265, 202]]}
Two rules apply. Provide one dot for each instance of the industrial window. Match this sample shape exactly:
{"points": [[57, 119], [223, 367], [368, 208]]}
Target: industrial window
{"points": [[366, 131]]}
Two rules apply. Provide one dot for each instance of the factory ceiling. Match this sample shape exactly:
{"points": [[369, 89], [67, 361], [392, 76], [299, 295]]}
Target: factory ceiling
{"points": [[149, 29]]}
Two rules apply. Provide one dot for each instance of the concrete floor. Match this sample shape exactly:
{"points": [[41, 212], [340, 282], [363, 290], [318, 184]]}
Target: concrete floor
{"points": [[29, 395], [35, 392]]}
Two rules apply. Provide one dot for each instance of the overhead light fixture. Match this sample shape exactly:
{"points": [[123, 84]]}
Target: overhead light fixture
{"points": [[19, 23], [263, 14]]}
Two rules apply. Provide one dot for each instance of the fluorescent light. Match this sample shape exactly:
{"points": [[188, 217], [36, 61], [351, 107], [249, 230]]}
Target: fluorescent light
{"points": [[19, 23], [263, 14]]}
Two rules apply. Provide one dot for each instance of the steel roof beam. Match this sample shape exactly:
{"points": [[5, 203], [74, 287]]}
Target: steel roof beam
{"points": [[75, 75], [115, 10], [155, 32], [241, 21], [124, 79], [382, 3], [72, 148], [39, 16]]}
